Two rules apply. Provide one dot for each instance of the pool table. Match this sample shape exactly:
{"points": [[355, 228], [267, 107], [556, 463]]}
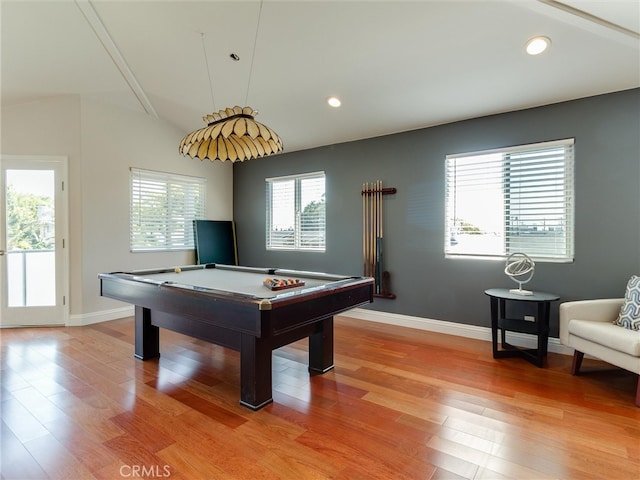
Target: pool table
{"points": [[231, 306]]}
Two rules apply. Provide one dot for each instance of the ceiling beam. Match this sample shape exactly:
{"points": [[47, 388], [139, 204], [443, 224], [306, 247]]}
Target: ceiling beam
{"points": [[584, 20], [109, 45]]}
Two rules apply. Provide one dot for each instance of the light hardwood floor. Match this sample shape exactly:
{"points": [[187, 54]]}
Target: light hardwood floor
{"points": [[400, 403]]}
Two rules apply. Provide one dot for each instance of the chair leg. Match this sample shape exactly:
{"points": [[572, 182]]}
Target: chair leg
{"points": [[638, 392], [577, 362]]}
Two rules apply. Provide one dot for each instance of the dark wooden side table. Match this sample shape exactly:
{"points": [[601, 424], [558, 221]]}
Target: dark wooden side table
{"points": [[540, 327]]}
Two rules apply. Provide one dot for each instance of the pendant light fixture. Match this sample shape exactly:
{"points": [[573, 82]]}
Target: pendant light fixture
{"points": [[231, 134]]}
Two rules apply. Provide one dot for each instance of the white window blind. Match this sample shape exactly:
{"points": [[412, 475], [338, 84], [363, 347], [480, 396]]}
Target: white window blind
{"points": [[296, 212], [163, 207], [519, 199]]}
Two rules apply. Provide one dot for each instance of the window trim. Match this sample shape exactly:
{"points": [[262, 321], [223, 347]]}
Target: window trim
{"points": [[297, 194], [166, 179], [568, 255]]}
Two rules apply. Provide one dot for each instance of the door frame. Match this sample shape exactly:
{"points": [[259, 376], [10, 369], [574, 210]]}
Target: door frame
{"points": [[60, 166]]}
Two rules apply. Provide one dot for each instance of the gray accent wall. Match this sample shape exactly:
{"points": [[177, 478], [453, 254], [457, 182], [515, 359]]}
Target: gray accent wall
{"points": [[606, 129]]}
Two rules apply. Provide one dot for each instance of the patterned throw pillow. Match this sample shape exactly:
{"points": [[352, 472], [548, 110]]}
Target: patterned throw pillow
{"points": [[629, 316]]}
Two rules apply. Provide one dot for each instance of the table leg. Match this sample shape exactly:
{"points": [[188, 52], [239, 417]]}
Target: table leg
{"points": [[321, 347], [255, 372], [502, 314], [494, 324], [543, 331], [147, 342]]}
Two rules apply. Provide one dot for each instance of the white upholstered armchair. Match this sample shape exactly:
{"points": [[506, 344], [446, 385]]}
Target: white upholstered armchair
{"points": [[587, 326]]}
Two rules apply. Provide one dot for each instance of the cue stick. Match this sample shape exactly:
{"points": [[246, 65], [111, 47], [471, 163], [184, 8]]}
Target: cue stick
{"points": [[365, 226], [374, 226], [379, 242], [377, 233], [369, 218], [372, 245], [364, 267], [380, 245], [368, 222], [372, 238], [381, 199]]}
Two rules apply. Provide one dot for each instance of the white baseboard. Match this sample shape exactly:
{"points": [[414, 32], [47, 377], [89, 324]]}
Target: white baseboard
{"points": [[451, 328], [97, 317], [420, 323]]}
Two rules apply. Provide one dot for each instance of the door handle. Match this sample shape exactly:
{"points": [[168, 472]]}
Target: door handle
{"points": [[1, 252]]}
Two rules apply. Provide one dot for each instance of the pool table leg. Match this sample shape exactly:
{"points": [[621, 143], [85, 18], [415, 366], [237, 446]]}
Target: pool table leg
{"points": [[255, 372], [321, 347], [147, 344]]}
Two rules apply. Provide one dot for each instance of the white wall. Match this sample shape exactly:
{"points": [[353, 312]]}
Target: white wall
{"points": [[52, 127], [102, 143]]}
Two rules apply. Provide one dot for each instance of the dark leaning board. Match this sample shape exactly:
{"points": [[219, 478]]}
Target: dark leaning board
{"points": [[215, 242], [230, 306]]}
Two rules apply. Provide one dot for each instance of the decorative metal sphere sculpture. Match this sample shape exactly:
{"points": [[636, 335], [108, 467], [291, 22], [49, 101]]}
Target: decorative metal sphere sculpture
{"points": [[519, 268]]}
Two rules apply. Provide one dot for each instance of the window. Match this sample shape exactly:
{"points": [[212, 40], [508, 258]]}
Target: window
{"points": [[163, 207], [296, 212], [518, 199]]}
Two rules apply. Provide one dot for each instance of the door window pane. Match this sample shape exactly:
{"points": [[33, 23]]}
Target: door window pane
{"points": [[30, 238]]}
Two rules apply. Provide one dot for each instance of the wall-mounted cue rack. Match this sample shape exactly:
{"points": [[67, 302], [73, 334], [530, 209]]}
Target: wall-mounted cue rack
{"points": [[373, 237]]}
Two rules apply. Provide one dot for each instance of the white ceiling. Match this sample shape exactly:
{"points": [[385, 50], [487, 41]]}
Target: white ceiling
{"points": [[396, 65]]}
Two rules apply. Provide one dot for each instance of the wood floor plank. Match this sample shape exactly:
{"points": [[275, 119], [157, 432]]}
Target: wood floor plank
{"points": [[484, 459], [38, 405], [447, 466], [288, 464], [235, 455], [144, 432], [415, 406], [12, 381], [21, 422], [85, 447], [133, 453], [284, 456], [17, 461], [56, 460], [89, 415], [378, 437], [400, 403], [355, 457], [206, 407], [191, 465]]}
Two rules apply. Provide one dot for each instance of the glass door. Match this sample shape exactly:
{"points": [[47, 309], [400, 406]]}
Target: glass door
{"points": [[33, 260]]}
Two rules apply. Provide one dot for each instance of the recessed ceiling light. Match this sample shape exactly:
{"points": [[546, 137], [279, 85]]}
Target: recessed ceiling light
{"points": [[334, 102], [537, 45]]}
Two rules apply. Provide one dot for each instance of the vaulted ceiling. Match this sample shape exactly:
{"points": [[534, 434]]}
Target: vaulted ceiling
{"points": [[396, 65]]}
